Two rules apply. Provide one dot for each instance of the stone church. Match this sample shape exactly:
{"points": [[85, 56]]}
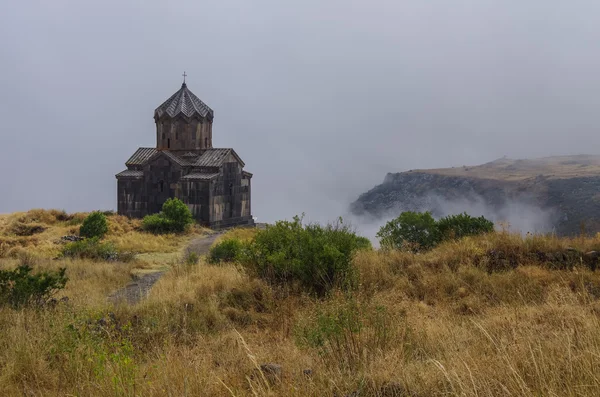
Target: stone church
{"points": [[184, 164]]}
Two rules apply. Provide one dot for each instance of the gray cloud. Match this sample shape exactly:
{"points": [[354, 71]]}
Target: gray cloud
{"points": [[320, 98]]}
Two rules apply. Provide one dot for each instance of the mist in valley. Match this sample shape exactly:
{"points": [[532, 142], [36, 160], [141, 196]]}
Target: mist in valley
{"points": [[320, 98], [517, 215]]}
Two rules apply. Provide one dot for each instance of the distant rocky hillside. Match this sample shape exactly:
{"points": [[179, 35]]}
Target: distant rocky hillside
{"points": [[560, 194]]}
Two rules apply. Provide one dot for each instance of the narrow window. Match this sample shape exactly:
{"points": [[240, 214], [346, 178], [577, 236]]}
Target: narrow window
{"points": [[177, 135], [162, 186], [232, 202], [205, 142], [169, 143]]}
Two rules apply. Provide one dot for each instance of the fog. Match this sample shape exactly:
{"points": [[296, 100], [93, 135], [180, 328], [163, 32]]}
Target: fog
{"points": [[518, 215], [320, 98]]}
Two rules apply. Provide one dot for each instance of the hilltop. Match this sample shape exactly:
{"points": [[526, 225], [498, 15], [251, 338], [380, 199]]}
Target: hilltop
{"points": [[558, 194], [518, 316]]}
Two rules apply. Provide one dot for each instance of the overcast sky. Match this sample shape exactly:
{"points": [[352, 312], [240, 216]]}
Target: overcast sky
{"points": [[320, 98]]}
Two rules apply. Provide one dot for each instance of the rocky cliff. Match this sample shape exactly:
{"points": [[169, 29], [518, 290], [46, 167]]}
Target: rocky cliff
{"points": [[552, 194]]}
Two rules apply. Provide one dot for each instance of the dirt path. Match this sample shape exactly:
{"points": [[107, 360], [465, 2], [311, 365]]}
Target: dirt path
{"points": [[140, 286], [201, 245]]}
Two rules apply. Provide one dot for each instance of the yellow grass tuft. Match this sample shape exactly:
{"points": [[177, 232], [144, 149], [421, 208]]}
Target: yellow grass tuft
{"points": [[452, 321], [125, 233], [146, 242], [239, 233]]}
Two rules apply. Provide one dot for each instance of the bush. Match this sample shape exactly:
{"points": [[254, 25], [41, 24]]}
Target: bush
{"points": [[191, 258], [178, 213], [313, 257], [363, 243], [462, 225], [20, 288], [93, 249], [174, 217], [225, 251], [94, 225], [418, 229], [157, 224]]}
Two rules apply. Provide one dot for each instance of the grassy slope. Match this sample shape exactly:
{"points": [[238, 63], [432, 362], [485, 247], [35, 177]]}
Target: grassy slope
{"points": [[89, 281], [435, 324], [558, 167]]}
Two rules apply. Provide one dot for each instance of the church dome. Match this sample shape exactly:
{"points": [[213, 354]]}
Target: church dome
{"points": [[185, 103]]}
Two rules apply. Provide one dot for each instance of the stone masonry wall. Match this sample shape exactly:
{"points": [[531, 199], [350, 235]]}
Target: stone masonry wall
{"points": [[129, 197], [178, 134], [196, 195]]}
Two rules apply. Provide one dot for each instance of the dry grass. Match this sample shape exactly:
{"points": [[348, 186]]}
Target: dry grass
{"points": [[146, 242], [123, 232], [434, 324], [54, 223], [515, 170], [240, 233]]}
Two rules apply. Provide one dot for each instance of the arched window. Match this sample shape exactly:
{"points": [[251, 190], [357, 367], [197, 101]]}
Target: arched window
{"points": [[169, 143]]}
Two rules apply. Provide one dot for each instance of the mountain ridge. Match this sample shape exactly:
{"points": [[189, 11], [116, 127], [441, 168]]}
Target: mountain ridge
{"points": [[550, 194]]}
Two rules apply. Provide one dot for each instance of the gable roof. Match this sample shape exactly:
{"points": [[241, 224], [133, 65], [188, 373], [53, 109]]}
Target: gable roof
{"points": [[141, 156], [176, 159], [190, 155], [130, 174], [215, 157], [203, 176], [184, 102]]}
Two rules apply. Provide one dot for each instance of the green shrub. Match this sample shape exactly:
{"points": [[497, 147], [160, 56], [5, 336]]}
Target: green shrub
{"points": [[228, 250], [363, 243], [191, 258], [418, 231], [157, 224], [175, 217], [462, 225], [178, 213], [21, 288], [92, 248], [413, 231], [94, 225], [316, 258]]}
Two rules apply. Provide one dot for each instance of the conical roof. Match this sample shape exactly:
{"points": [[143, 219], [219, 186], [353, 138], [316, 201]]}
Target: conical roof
{"points": [[184, 102]]}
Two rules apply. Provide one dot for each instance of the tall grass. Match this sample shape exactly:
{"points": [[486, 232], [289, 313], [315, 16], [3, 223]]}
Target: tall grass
{"points": [[436, 324]]}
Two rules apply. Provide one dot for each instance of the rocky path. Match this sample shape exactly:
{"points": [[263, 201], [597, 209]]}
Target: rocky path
{"points": [[201, 245], [140, 286]]}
